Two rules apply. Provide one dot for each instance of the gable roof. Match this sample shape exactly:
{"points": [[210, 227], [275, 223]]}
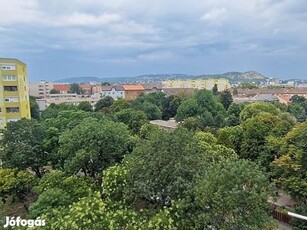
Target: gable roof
{"points": [[61, 87], [110, 87], [133, 87]]}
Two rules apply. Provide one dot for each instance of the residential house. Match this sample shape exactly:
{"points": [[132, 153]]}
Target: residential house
{"points": [[87, 88], [62, 88], [114, 91], [133, 91]]}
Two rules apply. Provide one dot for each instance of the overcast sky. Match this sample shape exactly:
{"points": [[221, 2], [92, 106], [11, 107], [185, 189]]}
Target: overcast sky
{"points": [[100, 38]]}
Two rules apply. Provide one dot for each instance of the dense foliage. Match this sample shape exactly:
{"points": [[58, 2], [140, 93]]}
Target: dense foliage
{"points": [[108, 168]]}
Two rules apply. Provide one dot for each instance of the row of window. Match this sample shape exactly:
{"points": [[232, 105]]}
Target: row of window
{"points": [[9, 78], [12, 88], [8, 67]]}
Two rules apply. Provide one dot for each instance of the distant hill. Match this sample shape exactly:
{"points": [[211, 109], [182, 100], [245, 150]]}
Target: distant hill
{"points": [[237, 77], [233, 77]]}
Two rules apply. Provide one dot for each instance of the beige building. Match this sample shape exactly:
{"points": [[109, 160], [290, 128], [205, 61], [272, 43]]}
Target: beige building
{"points": [[70, 98], [41, 89], [208, 84]]}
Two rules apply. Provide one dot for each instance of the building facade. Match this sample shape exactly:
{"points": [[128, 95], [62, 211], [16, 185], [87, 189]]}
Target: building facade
{"points": [[133, 91], [14, 91], [222, 84], [41, 89], [114, 91]]}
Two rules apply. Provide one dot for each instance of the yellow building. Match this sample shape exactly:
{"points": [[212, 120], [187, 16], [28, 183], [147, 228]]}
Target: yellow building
{"points": [[14, 91], [208, 84]]}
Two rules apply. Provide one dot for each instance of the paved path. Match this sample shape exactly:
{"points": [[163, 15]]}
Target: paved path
{"points": [[283, 226]]}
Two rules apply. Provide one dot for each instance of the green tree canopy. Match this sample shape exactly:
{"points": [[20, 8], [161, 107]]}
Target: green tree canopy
{"points": [[225, 98], [85, 106], [254, 109], [22, 146], [75, 88], [132, 118], [54, 91], [34, 108], [291, 167], [104, 103], [94, 145], [233, 195]]}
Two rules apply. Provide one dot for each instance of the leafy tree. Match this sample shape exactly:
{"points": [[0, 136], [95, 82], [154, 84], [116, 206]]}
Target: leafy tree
{"points": [[34, 108], [22, 146], [233, 195], [247, 85], [54, 91], [53, 110], [164, 167], [205, 107], [226, 98], [291, 166], [235, 91], [297, 99], [103, 103], [231, 137], [298, 111], [58, 190], [215, 89], [132, 118], [15, 183], [170, 106], [187, 109], [75, 88], [297, 223], [93, 145], [119, 105], [254, 109], [256, 130], [85, 106], [152, 111], [54, 127], [233, 114]]}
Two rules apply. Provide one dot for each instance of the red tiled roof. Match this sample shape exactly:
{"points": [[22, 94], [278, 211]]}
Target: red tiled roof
{"points": [[61, 87], [133, 87]]}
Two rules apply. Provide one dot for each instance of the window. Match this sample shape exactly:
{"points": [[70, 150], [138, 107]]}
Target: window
{"points": [[12, 109], [9, 78], [11, 99], [8, 67], [10, 88]]}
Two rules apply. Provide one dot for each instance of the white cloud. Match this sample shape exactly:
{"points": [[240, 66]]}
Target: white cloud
{"points": [[215, 16], [85, 19]]}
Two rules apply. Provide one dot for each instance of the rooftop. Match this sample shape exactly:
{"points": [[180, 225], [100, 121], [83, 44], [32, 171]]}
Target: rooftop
{"points": [[133, 87]]}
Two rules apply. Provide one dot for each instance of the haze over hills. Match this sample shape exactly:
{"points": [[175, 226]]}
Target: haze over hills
{"points": [[233, 77]]}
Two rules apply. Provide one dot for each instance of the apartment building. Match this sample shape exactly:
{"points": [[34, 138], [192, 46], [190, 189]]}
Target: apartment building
{"points": [[41, 89], [208, 84], [14, 91]]}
